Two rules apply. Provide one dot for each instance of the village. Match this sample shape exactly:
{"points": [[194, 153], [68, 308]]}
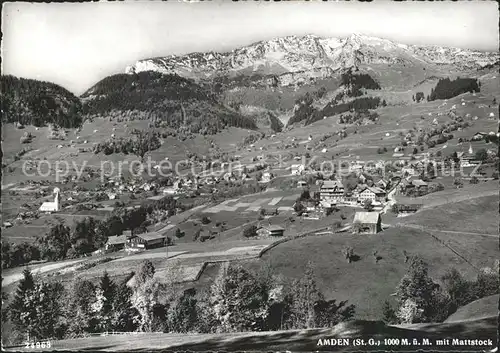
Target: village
{"points": [[187, 185]]}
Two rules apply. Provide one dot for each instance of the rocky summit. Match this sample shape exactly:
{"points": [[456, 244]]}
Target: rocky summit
{"points": [[288, 59]]}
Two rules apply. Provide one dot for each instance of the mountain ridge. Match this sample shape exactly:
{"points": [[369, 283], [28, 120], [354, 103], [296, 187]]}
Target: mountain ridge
{"points": [[311, 54]]}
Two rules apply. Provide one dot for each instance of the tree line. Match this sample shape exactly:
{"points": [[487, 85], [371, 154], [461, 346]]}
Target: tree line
{"points": [[138, 145], [178, 102], [306, 112], [239, 300], [354, 83], [446, 88]]}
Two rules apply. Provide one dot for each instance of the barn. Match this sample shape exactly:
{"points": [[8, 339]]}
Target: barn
{"points": [[116, 242], [367, 222], [148, 240]]}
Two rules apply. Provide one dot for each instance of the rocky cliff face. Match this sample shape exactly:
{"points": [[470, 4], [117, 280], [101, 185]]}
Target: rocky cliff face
{"points": [[291, 59]]}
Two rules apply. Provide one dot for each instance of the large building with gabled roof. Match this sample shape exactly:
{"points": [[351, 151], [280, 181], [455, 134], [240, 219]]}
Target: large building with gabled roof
{"points": [[367, 223]]}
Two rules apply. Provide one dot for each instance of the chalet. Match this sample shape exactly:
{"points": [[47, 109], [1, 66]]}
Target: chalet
{"points": [[269, 211], [478, 136], [367, 223], [420, 185], [382, 183], [207, 234], [409, 170], [266, 177], [331, 190], [148, 240], [229, 176], [274, 230], [405, 209], [245, 177], [356, 167], [467, 161], [210, 180], [328, 205], [116, 242], [297, 169], [309, 205], [372, 193], [301, 184], [350, 199]]}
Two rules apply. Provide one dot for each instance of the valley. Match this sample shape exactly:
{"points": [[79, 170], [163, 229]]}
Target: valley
{"points": [[298, 154]]}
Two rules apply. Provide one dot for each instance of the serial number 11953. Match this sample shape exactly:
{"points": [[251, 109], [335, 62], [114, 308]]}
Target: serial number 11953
{"points": [[37, 345]]}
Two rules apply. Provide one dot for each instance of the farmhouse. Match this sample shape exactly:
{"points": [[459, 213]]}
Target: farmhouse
{"points": [[416, 184], [382, 184], [266, 177], [328, 205], [367, 222], [297, 169], [207, 234], [404, 209], [420, 185], [478, 136], [372, 193], [331, 190], [269, 211], [350, 199], [116, 242], [409, 170], [301, 184], [148, 240], [51, 206], [274, 230]]}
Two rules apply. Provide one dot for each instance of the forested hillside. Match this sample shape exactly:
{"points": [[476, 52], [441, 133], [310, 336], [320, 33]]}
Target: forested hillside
{"points": [[173, 101], [446, 88], [32, 102]]}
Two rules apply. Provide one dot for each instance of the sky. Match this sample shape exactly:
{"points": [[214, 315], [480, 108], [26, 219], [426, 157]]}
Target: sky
{"points": [[76, 45]]}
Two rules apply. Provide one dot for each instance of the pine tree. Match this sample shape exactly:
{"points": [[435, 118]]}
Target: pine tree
{"points": [[107, 291], [125, 318], [183, 316], [17, 306], [80, 311], [145, 295], [305, 294], [389, 314], [417, 289], [146, 272], [36, 308], [237, 301]]}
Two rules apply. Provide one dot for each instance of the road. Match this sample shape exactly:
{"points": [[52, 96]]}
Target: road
{"points": [[14, 277], [391, 198]]}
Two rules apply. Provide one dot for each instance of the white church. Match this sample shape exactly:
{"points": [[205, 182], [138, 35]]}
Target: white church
{"points": [[51, 206]]}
